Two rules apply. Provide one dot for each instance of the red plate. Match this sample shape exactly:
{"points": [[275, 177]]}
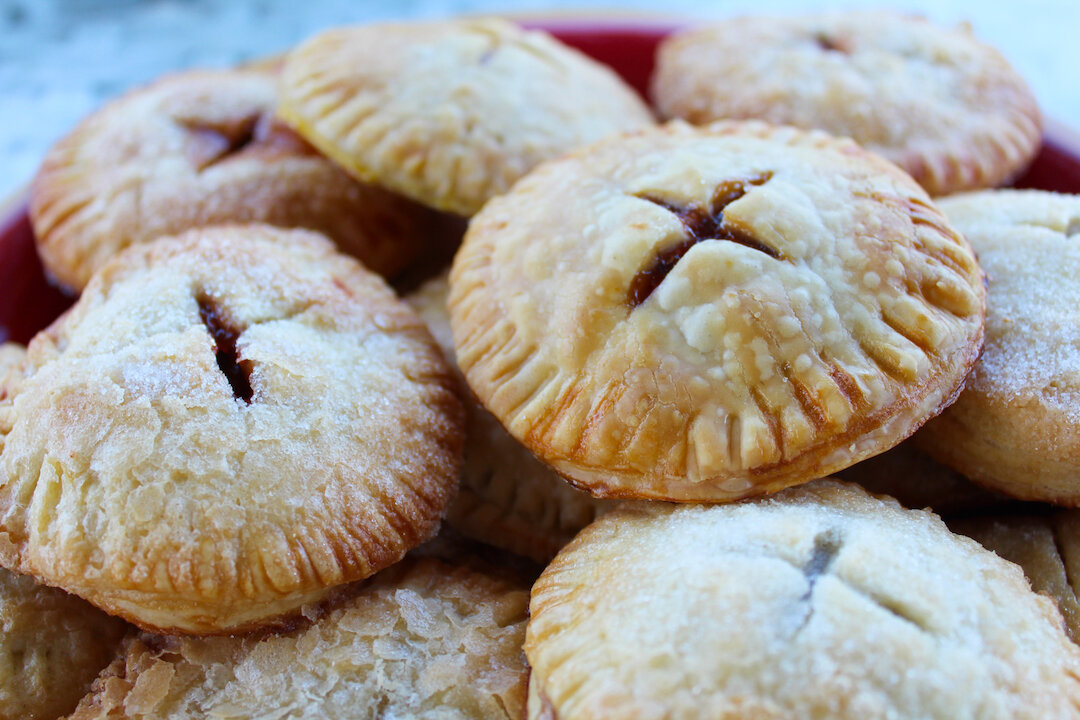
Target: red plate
{"points": [[28, 302]]}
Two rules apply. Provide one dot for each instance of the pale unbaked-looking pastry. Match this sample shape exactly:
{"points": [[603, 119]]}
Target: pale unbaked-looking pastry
{"points": [[710, 313], [450, 113], [1046, 546], [200, 148], [507, 497], [228, 424], [11, 354], [12, 363], [52, 646], [822, 602], [423, 639], [1016, 426], [945, 107]]}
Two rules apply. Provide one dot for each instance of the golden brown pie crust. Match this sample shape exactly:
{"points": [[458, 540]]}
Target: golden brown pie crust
{"points": [[1016, 426], [201, 148], [422, 639], [948, 109], [507, 498], [450, 113], [227, 425], [711, 313]]}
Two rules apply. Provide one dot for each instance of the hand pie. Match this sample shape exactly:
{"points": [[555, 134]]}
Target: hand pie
{"points": [[201, 148], [1016, 426], [943, 106], [227, 425], [422, 639], [820, 602], [712, 313], [450, 113]]}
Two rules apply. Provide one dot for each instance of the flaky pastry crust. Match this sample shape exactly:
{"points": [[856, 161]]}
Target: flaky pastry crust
{"points": [[200, 148], [1046, 546], [52, 646], [450, 113], [948, 109], [507, 498], [711, 313], [227, 425], [821, 602], [1016, 426], [420, 640]]}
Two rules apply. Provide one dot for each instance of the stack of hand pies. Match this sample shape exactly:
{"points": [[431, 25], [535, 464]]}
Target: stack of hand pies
{"points": [[224, 470]]}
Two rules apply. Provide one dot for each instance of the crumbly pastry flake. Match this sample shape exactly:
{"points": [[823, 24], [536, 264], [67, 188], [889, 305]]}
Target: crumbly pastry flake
{"points": [[227, 425], [52, 646], [507, 498], [822, 602], [422, 639], [948, 109], [710, 313], [201, 148], [450, 113], [1016, 426]]}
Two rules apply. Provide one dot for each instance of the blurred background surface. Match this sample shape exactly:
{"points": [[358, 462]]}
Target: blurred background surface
{"points": [[60, 59]]}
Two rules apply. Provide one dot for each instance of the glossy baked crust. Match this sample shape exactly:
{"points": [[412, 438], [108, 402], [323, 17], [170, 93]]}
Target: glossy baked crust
{"points": [[52, 646], [1016, 427], [226, 425], [821, 602], [507, 498], [450, 113], [421, 640], [711, 313], [945, 107], [200, 148], [1046, 546]]}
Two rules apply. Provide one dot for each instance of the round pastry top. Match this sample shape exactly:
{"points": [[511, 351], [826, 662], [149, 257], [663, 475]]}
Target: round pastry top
{"points": [[450, 113], [945, 107], [820, 602], [227, 424], [709, 313]]}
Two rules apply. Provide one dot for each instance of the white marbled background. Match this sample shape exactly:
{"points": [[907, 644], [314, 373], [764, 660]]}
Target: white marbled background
{"points": [[59, 59]]}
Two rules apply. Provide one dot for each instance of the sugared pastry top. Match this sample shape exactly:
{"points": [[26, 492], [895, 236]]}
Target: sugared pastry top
{"points": [[821, 602], [710, 313], [450, 113], [1016, 426], [227, 425], [945, 107], [200, 148], [422, 639]]}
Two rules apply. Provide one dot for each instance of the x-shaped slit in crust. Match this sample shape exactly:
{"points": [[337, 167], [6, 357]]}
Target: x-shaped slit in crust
{"points": [[701, 224], [833, 43], [827, 545], [211, 143]]}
